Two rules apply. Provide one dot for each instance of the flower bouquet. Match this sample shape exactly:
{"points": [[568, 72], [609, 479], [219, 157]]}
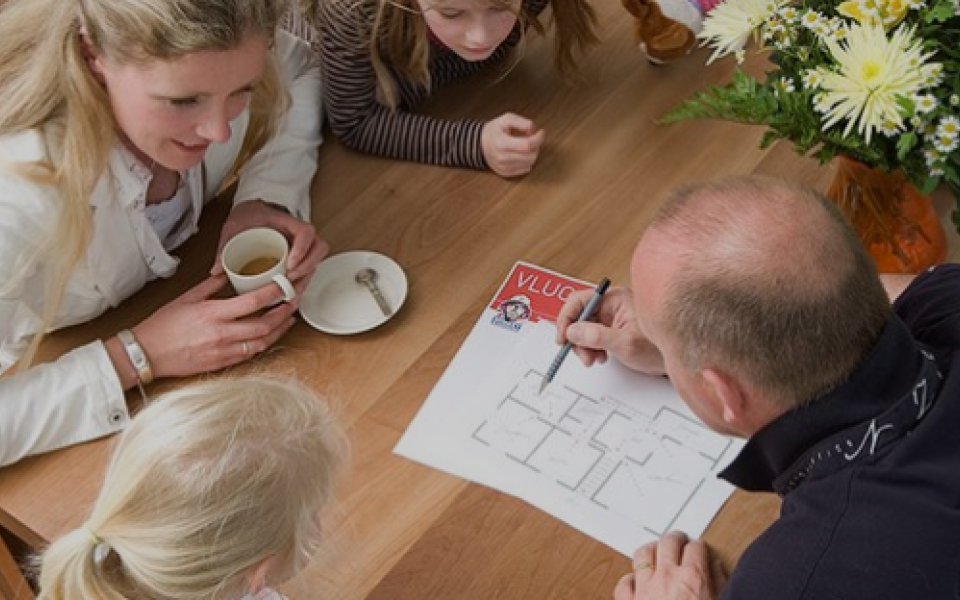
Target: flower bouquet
{"points": [[875, 81]]}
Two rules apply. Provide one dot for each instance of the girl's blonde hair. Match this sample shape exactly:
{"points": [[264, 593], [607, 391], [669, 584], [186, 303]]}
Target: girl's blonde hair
{"points": [[205, 484], [46, 85], [398, 36]]}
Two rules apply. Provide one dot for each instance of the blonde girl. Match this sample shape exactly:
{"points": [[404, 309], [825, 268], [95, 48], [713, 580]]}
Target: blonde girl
{"points": [[382, 57], [119, 121], [213, 492]]}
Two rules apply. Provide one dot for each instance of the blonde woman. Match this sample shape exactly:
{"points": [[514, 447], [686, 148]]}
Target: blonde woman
{"points": [[119, 121], [382, 57], [214, 492]]}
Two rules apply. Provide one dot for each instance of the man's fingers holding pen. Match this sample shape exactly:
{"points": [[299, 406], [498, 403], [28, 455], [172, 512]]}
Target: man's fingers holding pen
{"points": [[570, 312], [589, 341], [612, 331]]}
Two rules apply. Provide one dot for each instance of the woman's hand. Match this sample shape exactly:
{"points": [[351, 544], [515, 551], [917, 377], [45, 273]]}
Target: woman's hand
{"points": [[511, 144], [306, 247], [198, 332], [612, 331]]}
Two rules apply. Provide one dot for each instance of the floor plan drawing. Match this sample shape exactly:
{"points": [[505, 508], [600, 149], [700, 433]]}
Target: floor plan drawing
{"points": [[644, 463]]}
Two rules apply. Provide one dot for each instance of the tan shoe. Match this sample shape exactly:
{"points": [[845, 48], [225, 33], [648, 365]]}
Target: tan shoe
{"points": [[665, 29]]}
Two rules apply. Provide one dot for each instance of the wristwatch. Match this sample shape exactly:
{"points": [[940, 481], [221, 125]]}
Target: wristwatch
{"points": [[137, 356]]}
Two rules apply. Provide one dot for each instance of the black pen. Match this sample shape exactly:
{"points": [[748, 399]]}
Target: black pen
{"points": [[585, 314]]}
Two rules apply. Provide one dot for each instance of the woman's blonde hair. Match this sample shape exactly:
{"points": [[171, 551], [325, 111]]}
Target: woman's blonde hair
{"points": [[46, 85], [398, 36], [205, 484]]}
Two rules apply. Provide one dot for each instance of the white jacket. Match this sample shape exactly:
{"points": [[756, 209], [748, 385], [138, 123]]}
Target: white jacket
{"points": [[79, 397]]}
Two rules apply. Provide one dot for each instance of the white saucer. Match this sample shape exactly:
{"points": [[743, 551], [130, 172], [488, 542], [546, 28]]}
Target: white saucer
{"points": [[335, 303]]}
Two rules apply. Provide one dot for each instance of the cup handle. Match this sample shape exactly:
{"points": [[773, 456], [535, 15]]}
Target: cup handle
{"points": [[289, 292]]}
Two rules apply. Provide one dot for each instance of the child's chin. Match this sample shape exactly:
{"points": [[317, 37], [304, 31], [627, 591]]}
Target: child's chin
{"points": [[471, 56]]}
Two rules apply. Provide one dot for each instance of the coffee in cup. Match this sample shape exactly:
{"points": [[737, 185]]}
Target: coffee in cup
{"points": [[258, 265], [256, 257]]}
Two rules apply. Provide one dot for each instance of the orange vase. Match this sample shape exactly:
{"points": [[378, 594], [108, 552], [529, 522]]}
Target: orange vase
{"points": [[896, 223]]}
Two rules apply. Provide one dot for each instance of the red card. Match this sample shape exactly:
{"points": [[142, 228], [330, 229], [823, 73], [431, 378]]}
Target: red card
{"points": [[531, 293]]}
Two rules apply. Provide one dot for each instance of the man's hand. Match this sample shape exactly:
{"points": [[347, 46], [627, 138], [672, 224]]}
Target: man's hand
{"points": [[613, 332], [674, 568]]}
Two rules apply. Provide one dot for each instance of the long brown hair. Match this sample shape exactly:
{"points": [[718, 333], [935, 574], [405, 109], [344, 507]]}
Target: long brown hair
{"points": [[397, 35]]}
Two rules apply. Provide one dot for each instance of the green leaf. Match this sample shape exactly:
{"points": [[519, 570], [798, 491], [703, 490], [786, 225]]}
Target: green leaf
{"points": [[940, 12], [906, 142], [743, 100]]}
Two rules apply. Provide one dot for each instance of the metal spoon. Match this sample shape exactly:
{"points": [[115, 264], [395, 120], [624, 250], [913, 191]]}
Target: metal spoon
{"points": [[368, 278]]}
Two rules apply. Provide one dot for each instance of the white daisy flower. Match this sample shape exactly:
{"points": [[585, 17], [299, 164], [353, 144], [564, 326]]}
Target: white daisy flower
{"points": [[789, 13], [925, 102], [889, 128], [945, 144], [774, 31], [949, 126], [822, 30], [811, 19], [812, 79], [786, 84], [932, 74], [954, 100]]}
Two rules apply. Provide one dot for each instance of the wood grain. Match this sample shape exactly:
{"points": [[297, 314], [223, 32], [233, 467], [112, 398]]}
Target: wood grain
{"points": [[401, 530], [13, 586]]}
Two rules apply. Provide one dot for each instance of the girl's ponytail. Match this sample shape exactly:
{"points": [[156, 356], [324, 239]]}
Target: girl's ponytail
{"points": [[77, 567]]}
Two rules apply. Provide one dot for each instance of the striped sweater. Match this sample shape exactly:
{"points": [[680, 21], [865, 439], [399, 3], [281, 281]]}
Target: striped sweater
{"points": [[350, 90]]}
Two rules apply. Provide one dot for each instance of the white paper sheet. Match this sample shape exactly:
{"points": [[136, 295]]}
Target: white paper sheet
{"points": [[613, 453]]}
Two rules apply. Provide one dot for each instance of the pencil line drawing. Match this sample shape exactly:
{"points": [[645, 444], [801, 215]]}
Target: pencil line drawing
{"points": [[644, 463]]}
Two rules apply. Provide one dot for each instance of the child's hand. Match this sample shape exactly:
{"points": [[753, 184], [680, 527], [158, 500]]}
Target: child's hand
{"points": [[511, 144]]}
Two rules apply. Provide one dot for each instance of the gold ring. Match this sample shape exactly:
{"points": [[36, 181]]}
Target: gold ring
{"points": [[637, 567]]}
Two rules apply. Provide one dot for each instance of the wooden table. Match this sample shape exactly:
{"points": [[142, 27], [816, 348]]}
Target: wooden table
{"points": [[402, 530]]}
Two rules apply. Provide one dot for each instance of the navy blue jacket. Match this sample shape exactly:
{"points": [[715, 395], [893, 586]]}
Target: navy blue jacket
{"points": [[870, 473]]}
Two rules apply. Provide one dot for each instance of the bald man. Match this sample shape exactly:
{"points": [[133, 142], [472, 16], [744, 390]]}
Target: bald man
{"points": [[758, 302]]}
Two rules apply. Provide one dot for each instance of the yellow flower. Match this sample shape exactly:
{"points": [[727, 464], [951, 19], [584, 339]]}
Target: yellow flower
{"points": [[729, 25], [874, 71], [867, 12]]}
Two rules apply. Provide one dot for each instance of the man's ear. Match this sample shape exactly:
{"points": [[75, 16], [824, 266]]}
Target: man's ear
{"points": [[732, 396], [744, 409]]}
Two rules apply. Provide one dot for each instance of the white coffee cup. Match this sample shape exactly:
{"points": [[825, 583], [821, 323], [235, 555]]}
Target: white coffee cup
{"points": [[257, 257]]}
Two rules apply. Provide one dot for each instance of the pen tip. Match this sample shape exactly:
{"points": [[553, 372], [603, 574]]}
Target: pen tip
{"points": [[543, 386]]}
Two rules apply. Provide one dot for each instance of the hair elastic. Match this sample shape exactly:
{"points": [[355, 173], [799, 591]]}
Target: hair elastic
{"points": [[94, 539]]}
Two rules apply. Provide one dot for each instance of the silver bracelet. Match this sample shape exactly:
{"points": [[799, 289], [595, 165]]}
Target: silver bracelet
{"points": [[138, 358]]}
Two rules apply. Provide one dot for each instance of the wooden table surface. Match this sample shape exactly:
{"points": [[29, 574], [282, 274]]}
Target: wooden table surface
{"points": [[402, 530]]}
